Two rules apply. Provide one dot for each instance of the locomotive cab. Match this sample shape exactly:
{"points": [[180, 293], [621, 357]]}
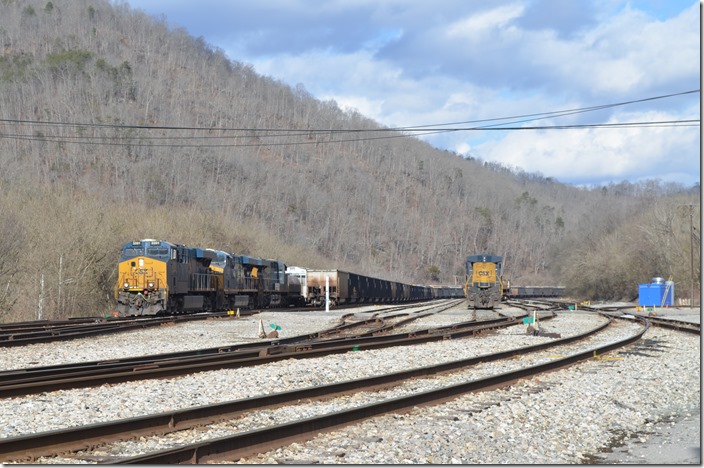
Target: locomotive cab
{"points": [[142, 285]]}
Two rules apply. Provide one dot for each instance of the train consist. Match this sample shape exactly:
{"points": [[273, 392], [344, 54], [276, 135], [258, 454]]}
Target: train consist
{"points": [[483, 287], [159, 277]]}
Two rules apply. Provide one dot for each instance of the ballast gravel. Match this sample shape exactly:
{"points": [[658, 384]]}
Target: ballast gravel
{"points": [[567, 416]]}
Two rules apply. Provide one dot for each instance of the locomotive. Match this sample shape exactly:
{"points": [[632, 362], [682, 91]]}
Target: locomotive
{"points": [[159, 277], [484, 285]]}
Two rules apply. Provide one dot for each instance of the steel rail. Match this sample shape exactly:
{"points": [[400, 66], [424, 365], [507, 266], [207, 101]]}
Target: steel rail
{"points": [[23, 383], [149, 360], [82, 328], [54, 442], [256, 441], [164, 369], [671, 324], [678, 325]]}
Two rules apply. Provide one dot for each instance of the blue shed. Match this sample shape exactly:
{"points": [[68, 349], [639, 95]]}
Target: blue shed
{"points": [[652, 294]]}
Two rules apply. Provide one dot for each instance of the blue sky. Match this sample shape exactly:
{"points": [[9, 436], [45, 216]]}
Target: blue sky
{"points": [[409, 63]]}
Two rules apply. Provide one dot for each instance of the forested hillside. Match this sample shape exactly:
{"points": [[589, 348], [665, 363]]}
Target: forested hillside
{"points": [[116, 127]]}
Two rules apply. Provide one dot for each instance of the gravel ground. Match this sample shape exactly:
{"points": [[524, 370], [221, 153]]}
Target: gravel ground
{"points": [[574, 415]]}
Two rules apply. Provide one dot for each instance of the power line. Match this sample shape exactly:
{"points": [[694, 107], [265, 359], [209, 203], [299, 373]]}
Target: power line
{"points": [[140, 141], [309, 134]]}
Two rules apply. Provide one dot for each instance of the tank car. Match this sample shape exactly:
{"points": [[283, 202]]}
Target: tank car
{"points": [[483, 286]]}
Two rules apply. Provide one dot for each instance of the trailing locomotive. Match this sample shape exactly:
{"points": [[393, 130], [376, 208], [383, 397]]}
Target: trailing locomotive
{"points": [[158, 277], [484, 285]]}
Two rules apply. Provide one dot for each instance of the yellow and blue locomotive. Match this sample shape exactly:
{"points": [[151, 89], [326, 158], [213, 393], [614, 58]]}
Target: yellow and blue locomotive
{"points": [[484, 285], [250, 282], [156, 276]]}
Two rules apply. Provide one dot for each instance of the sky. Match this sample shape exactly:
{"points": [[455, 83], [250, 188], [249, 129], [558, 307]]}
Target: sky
{"points": [[419, 63]]}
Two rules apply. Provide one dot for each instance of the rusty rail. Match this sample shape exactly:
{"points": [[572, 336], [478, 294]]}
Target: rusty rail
{"points": [[252, 442], [54, 442], [36, 380]]}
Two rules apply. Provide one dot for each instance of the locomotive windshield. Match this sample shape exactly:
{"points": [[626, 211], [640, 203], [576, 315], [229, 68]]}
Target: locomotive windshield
{"points": [[152, 249], [131, 252], [220, 259], [159, 253]]}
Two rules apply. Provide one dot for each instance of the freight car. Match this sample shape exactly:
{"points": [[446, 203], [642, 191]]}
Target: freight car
{"points": [[525, 292], [446, 292], [351, 288], [484, 285]]}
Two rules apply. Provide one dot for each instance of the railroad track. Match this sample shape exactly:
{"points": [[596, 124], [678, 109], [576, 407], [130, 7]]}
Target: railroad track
{"points": [[45, 331], [251, 442], [60, 377], [672, 324], [26, 333]]}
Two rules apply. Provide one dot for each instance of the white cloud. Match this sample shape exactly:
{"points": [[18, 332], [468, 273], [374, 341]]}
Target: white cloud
{"points": [[601, 154], [418, 63], [483, 25]]}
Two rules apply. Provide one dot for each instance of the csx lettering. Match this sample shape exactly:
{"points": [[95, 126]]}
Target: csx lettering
{"points": [[484, 273], [141, 271]]}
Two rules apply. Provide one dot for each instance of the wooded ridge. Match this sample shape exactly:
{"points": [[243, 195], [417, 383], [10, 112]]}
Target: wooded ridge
{"points": [[116, 127]]}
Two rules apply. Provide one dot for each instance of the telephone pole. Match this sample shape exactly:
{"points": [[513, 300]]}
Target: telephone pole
{"points": [[691, 255], [691, 251]]}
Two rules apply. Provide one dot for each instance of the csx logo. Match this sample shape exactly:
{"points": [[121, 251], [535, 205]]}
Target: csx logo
{"points": [[140, 271], [484, 273]]}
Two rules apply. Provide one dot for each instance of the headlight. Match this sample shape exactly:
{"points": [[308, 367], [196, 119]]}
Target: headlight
{"points": [[126, 285], [150, 285]]}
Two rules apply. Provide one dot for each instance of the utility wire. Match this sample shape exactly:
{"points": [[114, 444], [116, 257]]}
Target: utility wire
{"points": [[561, 113], [262, 133], [305, 131], [135, 141]]}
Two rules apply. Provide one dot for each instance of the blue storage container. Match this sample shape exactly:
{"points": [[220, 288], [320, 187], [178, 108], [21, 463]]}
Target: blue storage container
{"points": [[652, 294]]}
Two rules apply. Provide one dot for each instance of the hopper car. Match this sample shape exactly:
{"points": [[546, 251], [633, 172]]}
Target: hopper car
{"points": [[526, 292], [351, 288]]}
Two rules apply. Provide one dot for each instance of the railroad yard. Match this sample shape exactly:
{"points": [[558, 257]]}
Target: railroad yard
{"points": [[622, 406]]}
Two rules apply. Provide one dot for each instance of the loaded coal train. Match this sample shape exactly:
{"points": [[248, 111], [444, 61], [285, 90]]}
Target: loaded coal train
{"points": [[160, 277]]}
